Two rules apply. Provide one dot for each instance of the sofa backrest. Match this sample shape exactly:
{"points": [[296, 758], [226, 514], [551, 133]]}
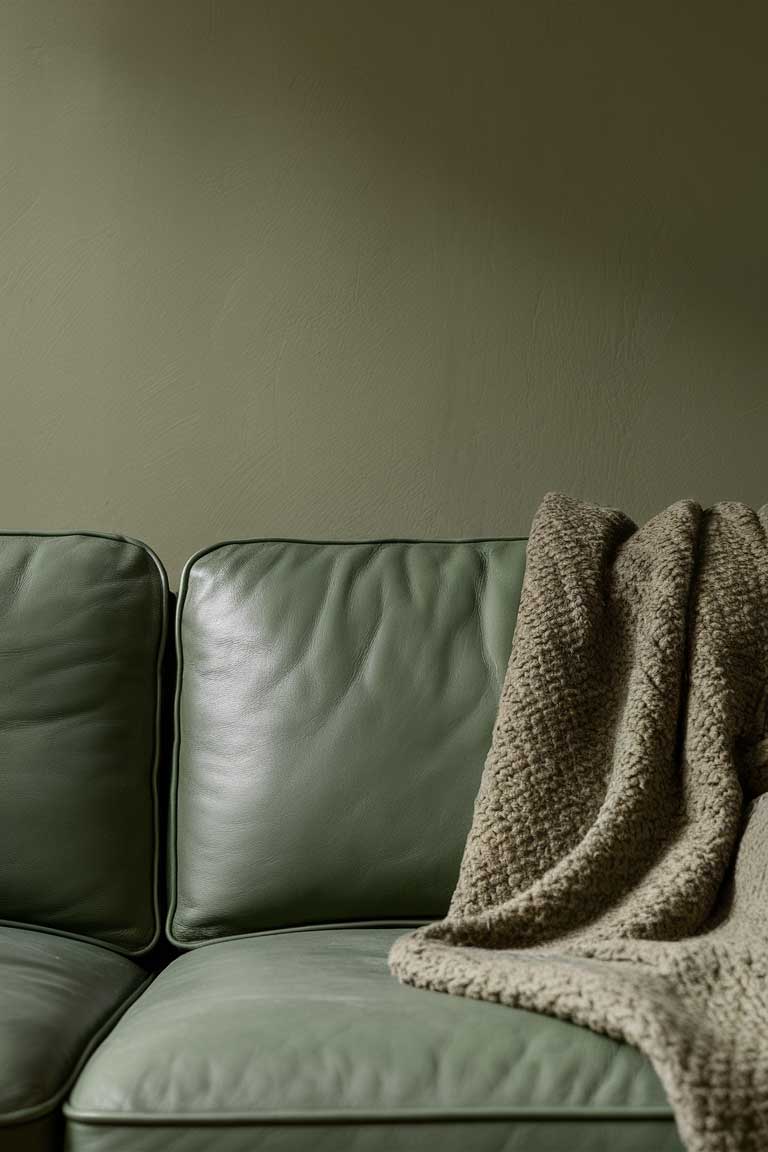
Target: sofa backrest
{"points": [[82, 624], [335, 705]]}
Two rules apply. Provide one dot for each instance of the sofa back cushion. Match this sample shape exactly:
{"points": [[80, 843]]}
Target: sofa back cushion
{"points": [[82, 622], [335, 707]]}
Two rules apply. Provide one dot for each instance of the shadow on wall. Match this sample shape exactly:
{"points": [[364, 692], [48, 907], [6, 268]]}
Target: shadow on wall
{"points": [[375, 269]]}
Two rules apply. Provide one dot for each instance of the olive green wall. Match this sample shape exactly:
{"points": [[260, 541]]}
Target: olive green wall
{"points": [[348, 268]]}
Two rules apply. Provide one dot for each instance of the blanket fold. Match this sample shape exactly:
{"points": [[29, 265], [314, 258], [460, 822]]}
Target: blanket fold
{"points": [[616, 871]]}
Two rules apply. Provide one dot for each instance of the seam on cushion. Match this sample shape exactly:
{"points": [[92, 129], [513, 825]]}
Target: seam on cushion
{"points": [[172, 848], [95, 941], [324, 926], [157, 925], [23, 1115], [351, 1117], [155, 776]]}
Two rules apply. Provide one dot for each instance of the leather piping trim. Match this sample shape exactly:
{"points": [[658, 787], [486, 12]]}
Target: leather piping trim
{"points": [[161, 642], [38, 1111], [173, 858], [335, 1116]]}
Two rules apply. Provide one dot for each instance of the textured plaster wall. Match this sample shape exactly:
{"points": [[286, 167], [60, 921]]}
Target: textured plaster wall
{"points": [[347, 268]]}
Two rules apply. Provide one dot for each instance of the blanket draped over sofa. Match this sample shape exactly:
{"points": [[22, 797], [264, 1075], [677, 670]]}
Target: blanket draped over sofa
{"points": [[616, 871]]}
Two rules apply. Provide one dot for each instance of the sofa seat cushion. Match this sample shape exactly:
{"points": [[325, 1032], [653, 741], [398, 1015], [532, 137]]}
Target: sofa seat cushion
{"points": [[57, 998], [303, 1040]]}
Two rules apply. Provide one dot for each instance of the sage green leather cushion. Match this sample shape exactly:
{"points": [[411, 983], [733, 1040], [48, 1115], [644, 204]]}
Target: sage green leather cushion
{"points": [[303, 1040], [493, 1135], [57, 997], [81, 631], [336, 707]]}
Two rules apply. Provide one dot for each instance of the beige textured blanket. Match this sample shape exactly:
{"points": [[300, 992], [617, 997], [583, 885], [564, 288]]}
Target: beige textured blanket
{"points": [[616, 872]]}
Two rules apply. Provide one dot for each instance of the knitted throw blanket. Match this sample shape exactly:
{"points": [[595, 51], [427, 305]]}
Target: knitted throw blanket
{"points": [[616, 871]]}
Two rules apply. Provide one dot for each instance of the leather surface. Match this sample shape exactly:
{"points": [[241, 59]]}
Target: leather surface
{"points": [[56, 996], [82, 621], [335, 710], [455, 1136], [287, 1033]]}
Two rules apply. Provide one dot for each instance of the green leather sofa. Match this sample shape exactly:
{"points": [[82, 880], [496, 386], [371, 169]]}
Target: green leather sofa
{"points": [[193, 946]]}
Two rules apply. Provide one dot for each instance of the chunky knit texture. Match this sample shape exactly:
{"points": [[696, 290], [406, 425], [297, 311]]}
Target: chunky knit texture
{"points": [[616, 871]]}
